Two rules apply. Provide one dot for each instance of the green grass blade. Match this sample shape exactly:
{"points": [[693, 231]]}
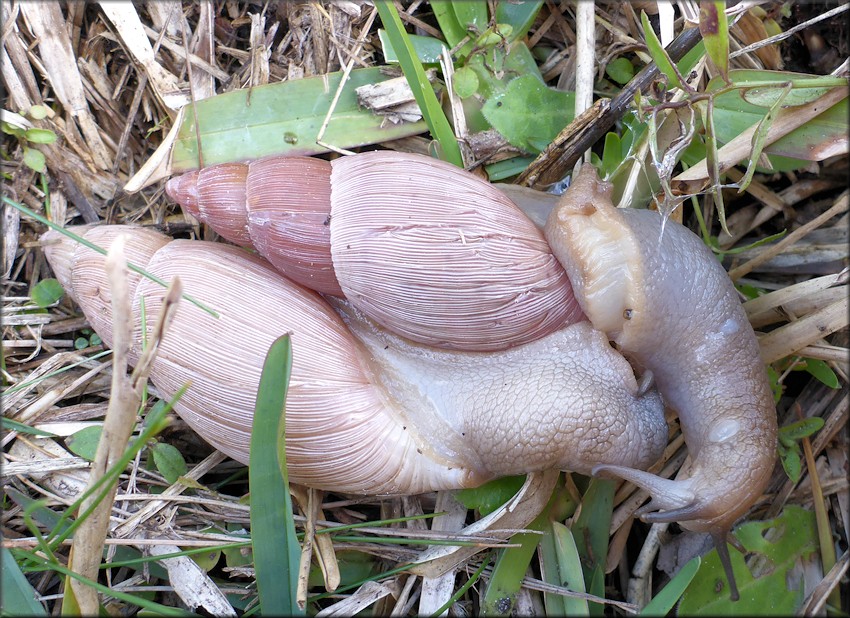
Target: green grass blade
{"points": [[590, 531], [551, 573], [569, 566], [275, 546], [760, 137], [47, 565], [714, 28], [436, 120], [449, 25], [90, 245], [664, 601], [510, 569], [658, 54], [283, 118], [10, 425], [18, 598]]}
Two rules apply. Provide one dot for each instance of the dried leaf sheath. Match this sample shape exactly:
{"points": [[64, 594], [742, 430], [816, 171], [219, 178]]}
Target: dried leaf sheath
{"points": [[443, 258]]}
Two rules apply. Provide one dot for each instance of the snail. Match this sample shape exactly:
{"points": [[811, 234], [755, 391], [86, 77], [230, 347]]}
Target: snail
{"points": [[367, 411], [483, 341]]}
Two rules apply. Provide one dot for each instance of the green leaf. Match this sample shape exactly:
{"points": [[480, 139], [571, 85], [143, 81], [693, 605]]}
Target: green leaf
{"points": [[494, 36], [207, 560], [37, 112], [791, 463], [34, 159], [81, 343], [9, 424], [18, 598], [657, 53], [47, 292], [465, 82], [663, 602], [714, 28], [509, 571], [237, 556], [169, 461], [40, 136], [611, 154], [550, 572], [776, 587], [770, 95], [520, 15], [689, 61], [507, 168], [283, 118], [490, 496], [11, 129], [620, 70], [354, 566], [734, 113], [569, 567], [84, 442], [760, 137], [529, 114], [775, 385], [471, 14], [275, 545], [432, 112], [449, 25], [513, 562], [428, 49], [802, 428], [590, 530], [821, 371]]}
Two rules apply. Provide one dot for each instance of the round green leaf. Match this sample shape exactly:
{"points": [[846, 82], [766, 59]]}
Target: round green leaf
{"points": [[207, 560], [81, 343], [47, 292], [528, 113], [84, 442], [169, 461], [465, 82], [37, 112], [34, 160], [40, 136], [620, 70]]}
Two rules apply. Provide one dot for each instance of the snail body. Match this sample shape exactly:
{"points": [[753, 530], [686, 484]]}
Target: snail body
{"points": [[367, 411], [717, 384]]}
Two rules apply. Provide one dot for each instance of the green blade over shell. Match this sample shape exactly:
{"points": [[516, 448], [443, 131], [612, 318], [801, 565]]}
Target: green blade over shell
{"points": [[283, 118]]}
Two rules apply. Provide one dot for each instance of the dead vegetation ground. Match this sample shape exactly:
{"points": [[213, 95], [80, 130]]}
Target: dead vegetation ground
{"points": [[111, 105]]}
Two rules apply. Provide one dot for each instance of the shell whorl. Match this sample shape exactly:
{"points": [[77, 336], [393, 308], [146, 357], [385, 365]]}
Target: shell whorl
{"points": [[278, 205], [422, 247]]}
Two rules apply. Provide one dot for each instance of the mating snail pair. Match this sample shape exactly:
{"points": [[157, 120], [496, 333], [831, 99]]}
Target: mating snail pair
{"points": [[453, 342]]}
